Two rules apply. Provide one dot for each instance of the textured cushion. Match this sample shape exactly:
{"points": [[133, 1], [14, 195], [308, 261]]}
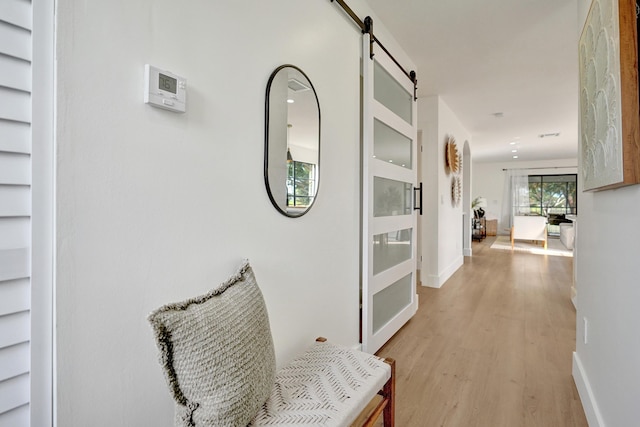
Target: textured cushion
{"points": [[217, 353], [328, 386]]}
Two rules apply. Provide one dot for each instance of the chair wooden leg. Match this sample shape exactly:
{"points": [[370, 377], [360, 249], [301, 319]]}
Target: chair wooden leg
{"points": [[389, 392], [511, 237]]}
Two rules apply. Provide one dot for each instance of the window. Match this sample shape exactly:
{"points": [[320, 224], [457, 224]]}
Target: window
{"points": [[301, 183], [553, 196]]}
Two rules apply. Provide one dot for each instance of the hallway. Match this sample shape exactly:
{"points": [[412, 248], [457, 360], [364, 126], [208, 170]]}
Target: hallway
{"points": [[491, 348]]}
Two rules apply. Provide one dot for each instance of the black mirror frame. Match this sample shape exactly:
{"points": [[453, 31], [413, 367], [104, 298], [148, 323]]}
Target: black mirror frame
{"points": [[266, 142]]}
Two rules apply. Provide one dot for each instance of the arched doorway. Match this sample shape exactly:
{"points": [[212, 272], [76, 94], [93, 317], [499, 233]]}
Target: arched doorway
{"points": [[466, 199]]}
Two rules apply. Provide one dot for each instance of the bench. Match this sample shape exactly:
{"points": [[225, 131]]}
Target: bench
{"points": [[330, 385], [218, 360]]}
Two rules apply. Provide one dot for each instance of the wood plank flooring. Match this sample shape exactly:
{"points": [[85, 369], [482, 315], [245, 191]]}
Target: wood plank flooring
{"points": [[491, 348]]}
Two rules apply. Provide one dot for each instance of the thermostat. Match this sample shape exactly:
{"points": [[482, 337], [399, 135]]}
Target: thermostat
{"points": [[163, 89]]}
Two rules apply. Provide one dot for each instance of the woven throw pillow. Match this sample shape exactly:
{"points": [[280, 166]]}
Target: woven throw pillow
{"points": [[217, 353]]}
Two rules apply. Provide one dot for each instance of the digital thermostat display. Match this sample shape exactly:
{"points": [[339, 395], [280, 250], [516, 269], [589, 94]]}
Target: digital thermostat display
{"points": [[164, 89], [167, 83]]}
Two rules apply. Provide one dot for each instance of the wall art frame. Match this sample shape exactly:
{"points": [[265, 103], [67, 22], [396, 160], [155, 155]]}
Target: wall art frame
{"points": [[609, 97]]}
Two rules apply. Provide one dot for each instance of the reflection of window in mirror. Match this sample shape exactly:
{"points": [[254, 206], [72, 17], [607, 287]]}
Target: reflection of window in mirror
{"points": [[301, 184]]}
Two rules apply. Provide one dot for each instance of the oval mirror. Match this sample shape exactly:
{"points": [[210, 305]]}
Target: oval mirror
{"points": [[292, 141]]}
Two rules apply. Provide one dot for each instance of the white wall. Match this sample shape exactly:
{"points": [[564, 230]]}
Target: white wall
{"points": [[488, 181], [606, 369], [442, 225], [154, 207]]}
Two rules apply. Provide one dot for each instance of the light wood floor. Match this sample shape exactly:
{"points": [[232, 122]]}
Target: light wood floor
{"points": [[491, 348]]}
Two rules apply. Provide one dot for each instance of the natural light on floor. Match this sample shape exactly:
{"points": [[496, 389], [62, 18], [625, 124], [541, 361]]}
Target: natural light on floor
{"points": [[554, 247]]}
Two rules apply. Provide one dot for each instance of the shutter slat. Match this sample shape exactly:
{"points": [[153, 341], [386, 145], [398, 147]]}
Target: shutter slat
{"points": [[15, 105], [16, 297], [16, 200], [15, 168], [18, 417], [14, 361], [16, 137], [15, 41], [15, 210], [16, 73], [14, 264], [15, 232], [14, 393], [14, 329], [16, 12]]}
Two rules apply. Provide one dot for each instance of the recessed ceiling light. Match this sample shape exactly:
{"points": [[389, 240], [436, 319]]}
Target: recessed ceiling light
{"points": [[514, 151], [390, 161], [513, 143], [290, 101], [515, 157]]}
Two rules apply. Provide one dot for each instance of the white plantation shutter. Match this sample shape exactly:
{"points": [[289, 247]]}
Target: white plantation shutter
{"points": [[15, 211]]}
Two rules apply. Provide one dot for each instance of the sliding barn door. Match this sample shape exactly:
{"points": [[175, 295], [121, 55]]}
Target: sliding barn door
{"points": [[389, 223]]}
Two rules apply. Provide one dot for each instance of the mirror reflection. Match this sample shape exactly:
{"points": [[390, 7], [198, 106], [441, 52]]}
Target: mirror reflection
{"points": [[292, 141]]}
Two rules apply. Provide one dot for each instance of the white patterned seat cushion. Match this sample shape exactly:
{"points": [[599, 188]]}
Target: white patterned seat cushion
{"points": [[329, 385]]}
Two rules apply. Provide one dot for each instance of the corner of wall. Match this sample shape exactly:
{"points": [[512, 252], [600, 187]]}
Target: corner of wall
{"points": [[432, 281], [438, 280]]}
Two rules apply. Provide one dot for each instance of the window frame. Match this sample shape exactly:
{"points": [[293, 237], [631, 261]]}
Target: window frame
{"points": [[292, 196], [568, 210]]}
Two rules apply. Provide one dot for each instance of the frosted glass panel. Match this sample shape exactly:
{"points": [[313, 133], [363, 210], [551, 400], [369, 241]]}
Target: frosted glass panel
{"points": [[391, 94], [391, 146], [390, 301], [391, 249], [390, 197]]}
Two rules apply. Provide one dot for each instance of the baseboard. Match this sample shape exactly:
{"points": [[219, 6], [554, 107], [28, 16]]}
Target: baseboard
{"points": [[467, 252], [436, 281], [589, 404]]}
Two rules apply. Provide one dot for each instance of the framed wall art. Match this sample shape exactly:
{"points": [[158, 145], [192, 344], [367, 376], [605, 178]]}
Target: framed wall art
{"points": [[609, 109]]}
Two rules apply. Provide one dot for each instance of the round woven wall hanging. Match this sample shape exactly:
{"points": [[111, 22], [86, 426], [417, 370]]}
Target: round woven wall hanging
{"points": [[451, 155], [456, 190]]}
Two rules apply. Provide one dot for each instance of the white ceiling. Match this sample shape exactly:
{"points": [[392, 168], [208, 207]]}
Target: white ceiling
{"points": [[516, 57]]}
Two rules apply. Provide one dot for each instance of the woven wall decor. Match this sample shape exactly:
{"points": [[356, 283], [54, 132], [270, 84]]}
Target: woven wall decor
{"points": [[456, 190], [452, 158]]}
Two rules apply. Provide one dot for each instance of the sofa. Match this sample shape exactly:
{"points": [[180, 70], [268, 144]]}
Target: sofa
{"points": [[567, 235]]}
